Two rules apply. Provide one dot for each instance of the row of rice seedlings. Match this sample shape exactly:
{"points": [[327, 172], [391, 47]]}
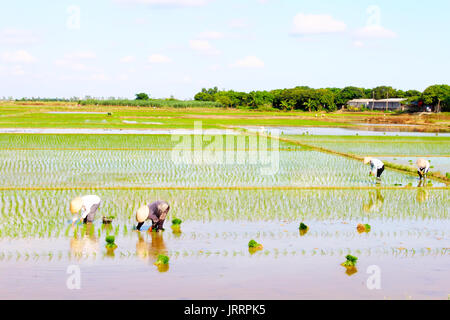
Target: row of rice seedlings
{"points": [[45, 213], [113, 141], [156, 168], [395, 252]]}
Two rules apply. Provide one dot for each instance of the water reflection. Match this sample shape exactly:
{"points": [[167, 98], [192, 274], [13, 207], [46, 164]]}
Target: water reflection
{"points": [[422, 193], [350, 270], [375, 203], [84, 241], [153, 248]]}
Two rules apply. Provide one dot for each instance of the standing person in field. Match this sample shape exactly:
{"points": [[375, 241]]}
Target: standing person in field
{"points": [[376, 167], [156, 211], [422, 168], [88, 205]]}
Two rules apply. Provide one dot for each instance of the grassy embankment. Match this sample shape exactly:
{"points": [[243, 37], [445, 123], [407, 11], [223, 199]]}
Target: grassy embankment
{"points": [[42, 115]]}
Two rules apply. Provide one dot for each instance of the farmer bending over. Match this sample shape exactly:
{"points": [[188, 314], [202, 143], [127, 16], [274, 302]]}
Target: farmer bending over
{"points": [[156, 211], [88, 206], [422, 168], [376, 166]]}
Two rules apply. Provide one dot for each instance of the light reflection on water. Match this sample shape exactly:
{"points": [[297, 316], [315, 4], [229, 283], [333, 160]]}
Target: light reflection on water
{"points": [[350, 131]]}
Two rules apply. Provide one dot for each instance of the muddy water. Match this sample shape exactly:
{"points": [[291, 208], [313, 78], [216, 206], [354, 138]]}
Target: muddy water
{"points": [[210, 260]]}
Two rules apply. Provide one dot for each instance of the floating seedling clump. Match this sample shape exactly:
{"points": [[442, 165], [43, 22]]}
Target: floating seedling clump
{"points": [[162, 262], [254, 246], [303, 228], [363, 227], [162, 259], [350, 262], [176, 223], [110, 244], [107, 220]]}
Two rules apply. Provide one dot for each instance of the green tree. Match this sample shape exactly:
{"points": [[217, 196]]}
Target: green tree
{"points": [[142, 96], [437, 95], [384, 92], [347, 94], [310, 104]]}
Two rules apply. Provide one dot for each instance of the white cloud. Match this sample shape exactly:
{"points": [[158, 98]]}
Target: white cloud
{"points": [[17, 71], [238, 23], [127, 59], [76, 60], [358, 44], [203, 47], [80, 55], [122, 77], [210, 35], [167, 3], [308, 24], [248, 62], [19, 56], [158, 58], [17, 36], [98, 77], [375, 31], [70, 64], [214, 67]]}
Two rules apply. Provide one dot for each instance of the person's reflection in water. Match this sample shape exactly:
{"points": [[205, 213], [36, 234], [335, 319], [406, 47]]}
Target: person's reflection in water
{"points": [[145, 250], [84, 242], [141, 247], [375, 203], [422, 193]]}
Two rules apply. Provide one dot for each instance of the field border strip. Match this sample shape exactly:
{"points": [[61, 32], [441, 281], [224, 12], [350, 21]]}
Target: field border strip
{"points": [[221, 188], [131, 149]]}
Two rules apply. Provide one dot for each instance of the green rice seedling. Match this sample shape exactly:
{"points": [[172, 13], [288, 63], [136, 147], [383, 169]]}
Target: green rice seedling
{"points": [[303, 226], [303, 229], [162, 262], [350, 262], [176, 223], [107, 219], [254, 246], [110, 242], [161, 259]]}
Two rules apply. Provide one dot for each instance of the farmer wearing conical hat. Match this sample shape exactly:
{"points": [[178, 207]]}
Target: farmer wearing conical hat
{"points": [[156, 211], [422, 168], [376, 166], [88, 205]]}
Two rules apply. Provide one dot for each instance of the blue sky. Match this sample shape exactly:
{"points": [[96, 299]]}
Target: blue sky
{"points": [[176, 47]]}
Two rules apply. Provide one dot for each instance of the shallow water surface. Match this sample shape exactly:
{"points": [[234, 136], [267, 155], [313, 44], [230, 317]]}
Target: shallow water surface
{"points": [[209, 259], [346, 131]]}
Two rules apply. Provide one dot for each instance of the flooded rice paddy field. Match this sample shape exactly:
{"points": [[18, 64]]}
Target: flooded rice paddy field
{"points": [[209, 259], [441, 164], [164, 168], [379, 146]]}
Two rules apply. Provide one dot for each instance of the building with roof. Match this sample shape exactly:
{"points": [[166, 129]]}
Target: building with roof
{"points": [[382, 104]]}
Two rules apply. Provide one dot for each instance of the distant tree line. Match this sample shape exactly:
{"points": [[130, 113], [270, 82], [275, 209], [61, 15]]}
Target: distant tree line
{"points": [[326, 99]]}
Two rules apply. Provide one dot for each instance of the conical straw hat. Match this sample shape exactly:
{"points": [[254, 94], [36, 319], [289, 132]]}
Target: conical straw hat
{"points": [[75, 205], [367, 160], [142, 214], [422, 163]]}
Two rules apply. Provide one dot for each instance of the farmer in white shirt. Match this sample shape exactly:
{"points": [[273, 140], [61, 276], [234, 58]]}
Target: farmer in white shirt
{"points": [[376, 166], [156, 212], [422, 168], [88, 205]]}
